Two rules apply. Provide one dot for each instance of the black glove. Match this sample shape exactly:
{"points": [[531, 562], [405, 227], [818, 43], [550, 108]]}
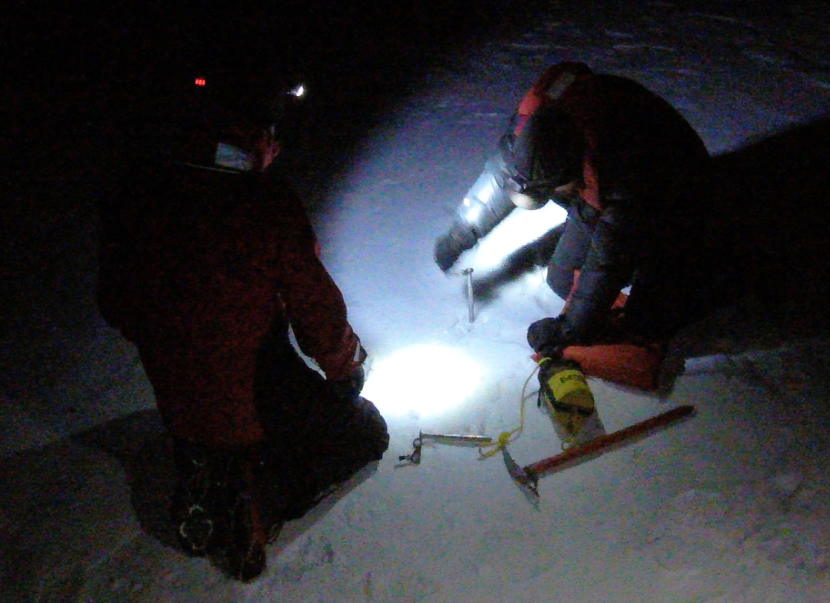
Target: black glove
{"points": [[548, 336], [451, 245], [349, 388]]}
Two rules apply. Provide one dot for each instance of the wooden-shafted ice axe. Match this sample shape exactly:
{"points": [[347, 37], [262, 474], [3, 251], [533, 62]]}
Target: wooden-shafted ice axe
{"points": [[528, 476]]}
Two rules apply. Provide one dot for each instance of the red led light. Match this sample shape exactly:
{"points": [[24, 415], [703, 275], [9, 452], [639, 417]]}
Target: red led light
{"points": [[200, 81]]}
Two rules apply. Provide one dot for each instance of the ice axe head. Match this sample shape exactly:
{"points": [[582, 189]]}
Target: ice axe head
{"points": [[525, 480]]}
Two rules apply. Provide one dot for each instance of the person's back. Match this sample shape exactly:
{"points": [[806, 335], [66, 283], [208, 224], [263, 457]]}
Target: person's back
{"points": [[637, 145], [196, 288]]}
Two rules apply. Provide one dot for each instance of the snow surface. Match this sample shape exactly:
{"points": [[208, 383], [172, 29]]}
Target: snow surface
{"points": [[732, 504]]}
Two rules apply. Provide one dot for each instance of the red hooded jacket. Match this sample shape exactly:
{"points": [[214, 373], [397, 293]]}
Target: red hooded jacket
{"points": [[636, 144], [195, 266], [643, 171]]}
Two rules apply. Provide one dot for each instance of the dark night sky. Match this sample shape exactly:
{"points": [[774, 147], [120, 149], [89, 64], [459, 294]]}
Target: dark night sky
{"points": [[60, 57], [70, 73]]}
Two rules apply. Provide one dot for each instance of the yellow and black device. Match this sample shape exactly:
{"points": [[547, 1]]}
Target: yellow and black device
{"points": [[564, 389]]}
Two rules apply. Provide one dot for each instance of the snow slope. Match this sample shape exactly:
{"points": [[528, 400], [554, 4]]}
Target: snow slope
{"points": [[730, 505]]}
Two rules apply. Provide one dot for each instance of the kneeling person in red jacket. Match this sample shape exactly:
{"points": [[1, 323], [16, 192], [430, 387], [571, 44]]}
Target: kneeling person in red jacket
{"points": [[207, 258]]}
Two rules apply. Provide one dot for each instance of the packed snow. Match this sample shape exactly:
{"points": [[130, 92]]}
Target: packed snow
{"points": [[732, 504]]}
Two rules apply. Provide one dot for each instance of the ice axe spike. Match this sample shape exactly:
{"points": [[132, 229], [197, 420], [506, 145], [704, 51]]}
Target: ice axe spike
{"points": [[604, 442], [519, 475], [471, 312]]}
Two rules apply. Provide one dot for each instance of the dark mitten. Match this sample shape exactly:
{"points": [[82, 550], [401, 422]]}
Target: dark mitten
{"points": [[548, 336], [350, 388], [450, 246]]}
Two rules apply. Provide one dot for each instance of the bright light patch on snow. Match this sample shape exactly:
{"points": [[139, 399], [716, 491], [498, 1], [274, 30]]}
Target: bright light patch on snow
{"points": [[519, 228], [534, 280], [423, 379]]}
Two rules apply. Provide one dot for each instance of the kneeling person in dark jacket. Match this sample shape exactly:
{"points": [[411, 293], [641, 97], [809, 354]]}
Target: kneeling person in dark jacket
{"points": [[630, 172]]}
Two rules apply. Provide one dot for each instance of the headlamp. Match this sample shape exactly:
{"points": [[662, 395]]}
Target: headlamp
{"points": [[298, 91], [516, 183], [520, 191]]}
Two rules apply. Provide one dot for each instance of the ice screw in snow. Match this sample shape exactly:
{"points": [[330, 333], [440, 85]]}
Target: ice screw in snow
{"points": [[471, 314], [447, 438]]}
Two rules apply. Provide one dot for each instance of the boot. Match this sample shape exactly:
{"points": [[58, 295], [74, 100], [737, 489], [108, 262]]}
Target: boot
{"points": [[217, 507], [200, 490], [247, 523]]}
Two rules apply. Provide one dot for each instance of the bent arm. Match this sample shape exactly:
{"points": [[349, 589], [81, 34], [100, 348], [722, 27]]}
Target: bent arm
{"points": [[313, 303], [484, 206], [608, 268]]}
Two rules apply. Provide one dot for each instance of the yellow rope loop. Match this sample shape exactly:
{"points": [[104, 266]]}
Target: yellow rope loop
{"points": [[506, 437], [495, 447]]}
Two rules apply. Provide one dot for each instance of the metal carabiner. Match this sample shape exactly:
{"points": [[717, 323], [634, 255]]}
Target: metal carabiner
{"points": [[415, 457]]}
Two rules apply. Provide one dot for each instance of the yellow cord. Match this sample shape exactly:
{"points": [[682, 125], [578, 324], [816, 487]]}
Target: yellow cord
{"points": [[506, 437]]}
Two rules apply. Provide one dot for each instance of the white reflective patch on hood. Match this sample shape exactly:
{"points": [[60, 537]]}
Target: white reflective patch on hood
{"points": [[233, 157]]}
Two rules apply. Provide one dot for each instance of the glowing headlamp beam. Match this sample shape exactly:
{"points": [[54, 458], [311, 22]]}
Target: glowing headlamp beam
{"points": [[298, 91], [422, 379]]}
